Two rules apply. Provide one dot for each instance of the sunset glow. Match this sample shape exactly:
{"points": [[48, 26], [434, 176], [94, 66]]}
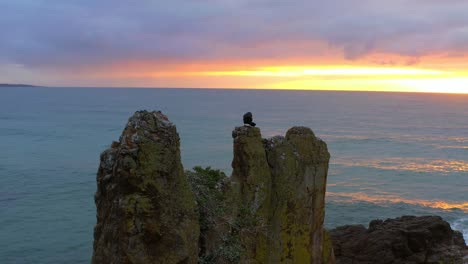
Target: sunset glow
{"points": [[332, 77], [239, 45], [325, 71], [352, 78], [433, 85]]}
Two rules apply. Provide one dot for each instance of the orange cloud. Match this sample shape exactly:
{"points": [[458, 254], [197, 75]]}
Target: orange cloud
{"points": [[373, 72]]}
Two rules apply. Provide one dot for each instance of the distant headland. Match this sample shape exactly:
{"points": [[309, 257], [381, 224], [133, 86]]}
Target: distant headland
{"points": [[17, 85]]}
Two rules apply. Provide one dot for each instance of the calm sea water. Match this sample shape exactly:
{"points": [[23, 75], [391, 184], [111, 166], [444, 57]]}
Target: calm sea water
{"points": [[392, 154]]}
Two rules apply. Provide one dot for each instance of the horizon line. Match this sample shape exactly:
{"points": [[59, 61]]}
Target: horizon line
{"points": [[230, 88]]}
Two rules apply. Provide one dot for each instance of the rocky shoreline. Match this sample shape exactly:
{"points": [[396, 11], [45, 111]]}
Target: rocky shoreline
{"points": [[406, 239], [271, 210]]}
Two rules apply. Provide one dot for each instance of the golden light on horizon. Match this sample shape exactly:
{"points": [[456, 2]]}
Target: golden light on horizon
{"points": [[349, 78], [431, 78], [435, 85], [425, 85], [293, 71]]}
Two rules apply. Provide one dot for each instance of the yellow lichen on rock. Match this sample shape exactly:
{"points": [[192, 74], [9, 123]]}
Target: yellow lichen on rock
{"points": [[282, 181], [146, 212]]}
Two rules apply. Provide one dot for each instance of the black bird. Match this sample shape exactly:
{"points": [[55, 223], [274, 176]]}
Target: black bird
{"points": [[248, 119]]}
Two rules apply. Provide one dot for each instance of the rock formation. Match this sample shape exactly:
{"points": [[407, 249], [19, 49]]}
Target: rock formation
{"points": [[146, 212], [299, 166], [252, 180], [407, 240], [277, 191], [270, 211]]}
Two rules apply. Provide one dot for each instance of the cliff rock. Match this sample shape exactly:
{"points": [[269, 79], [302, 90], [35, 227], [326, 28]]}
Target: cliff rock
{"points": [[252, 180], [406, 240], [281, 182], [146, 212], [299, 166]]}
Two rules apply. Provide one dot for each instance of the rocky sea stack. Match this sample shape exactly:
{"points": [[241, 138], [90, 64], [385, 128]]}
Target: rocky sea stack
{"points": [[270, 211], [281, 184], [146, 212]]}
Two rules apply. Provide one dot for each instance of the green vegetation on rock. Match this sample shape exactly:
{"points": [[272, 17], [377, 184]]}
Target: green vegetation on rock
{"points": [[219, 240], [208, 186]]}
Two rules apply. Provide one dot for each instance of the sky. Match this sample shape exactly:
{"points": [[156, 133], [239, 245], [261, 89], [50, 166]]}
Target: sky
{"points": [[376, 45]]}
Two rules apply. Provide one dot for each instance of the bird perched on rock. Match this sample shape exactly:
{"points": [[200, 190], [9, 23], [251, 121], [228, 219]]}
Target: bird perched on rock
{"points": [[248, 119]]}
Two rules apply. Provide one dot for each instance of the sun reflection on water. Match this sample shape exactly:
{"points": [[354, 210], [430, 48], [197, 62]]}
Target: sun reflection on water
{"points": [[352, 197], [407, 164]]}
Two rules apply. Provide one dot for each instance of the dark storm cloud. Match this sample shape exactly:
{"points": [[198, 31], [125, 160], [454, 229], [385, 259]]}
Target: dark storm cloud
{"points": [[54, 33]]}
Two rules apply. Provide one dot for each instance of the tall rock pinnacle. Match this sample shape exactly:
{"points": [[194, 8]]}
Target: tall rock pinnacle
{"points": [[299, 165], [146, 212], [252, 179], [281, 183]]}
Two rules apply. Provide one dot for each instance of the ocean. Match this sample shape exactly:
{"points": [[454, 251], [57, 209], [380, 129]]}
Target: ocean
{"points": [[392, 154]]}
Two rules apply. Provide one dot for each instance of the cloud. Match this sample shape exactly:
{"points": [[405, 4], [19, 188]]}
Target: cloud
{"points": [[57, 33]]}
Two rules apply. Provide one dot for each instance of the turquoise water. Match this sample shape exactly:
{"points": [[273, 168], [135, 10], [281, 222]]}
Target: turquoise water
{"points": [[392, 154]]}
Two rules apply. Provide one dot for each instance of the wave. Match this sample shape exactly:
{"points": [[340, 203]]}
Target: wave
{"points": [[462, 226]]}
